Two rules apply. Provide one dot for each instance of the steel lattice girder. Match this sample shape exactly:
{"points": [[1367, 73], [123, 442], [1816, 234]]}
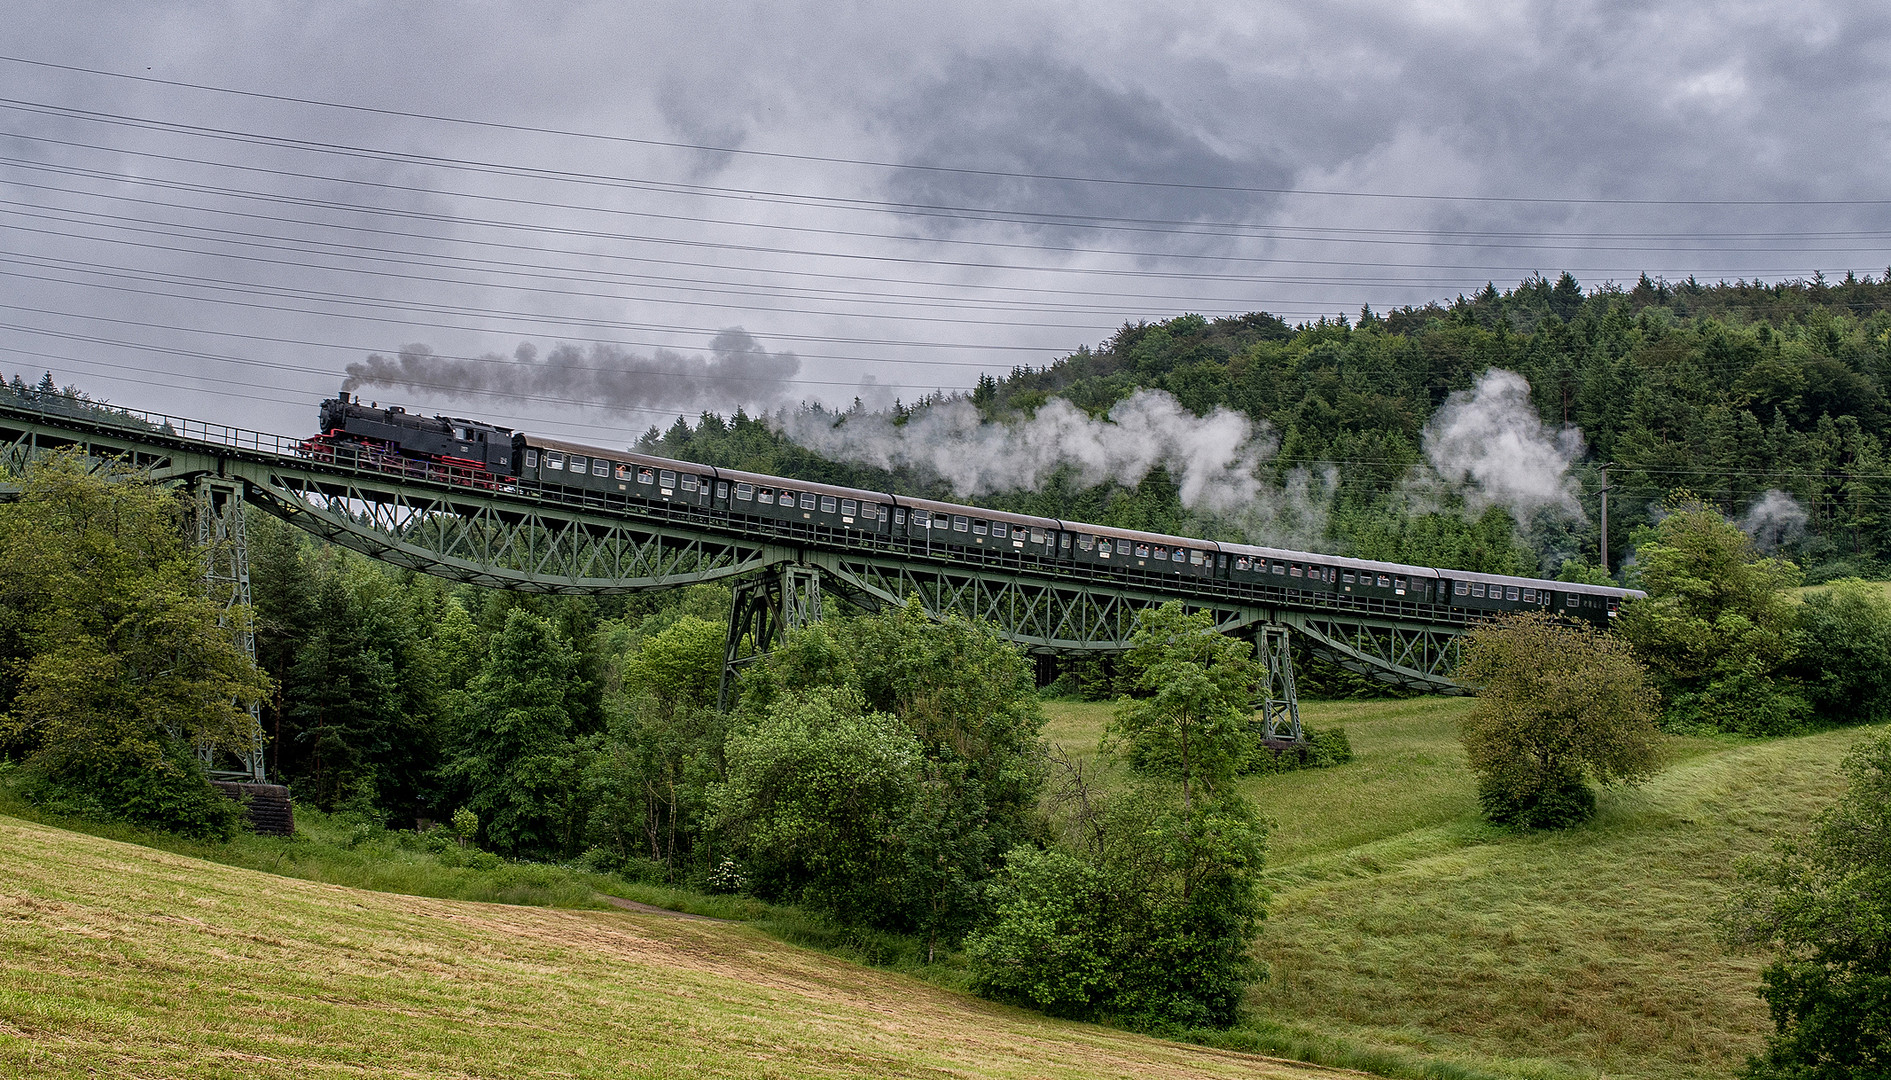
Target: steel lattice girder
{"points": [[1411, 654], [500, 542], [1048, 614]]}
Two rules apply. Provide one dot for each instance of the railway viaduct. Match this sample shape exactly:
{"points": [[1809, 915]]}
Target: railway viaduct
{"points": [[547, 540]]}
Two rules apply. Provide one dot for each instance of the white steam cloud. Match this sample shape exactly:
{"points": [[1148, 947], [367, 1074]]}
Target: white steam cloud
{"points": [[737, 371], [1489, 444], [1775, 518], [1213, 458]]}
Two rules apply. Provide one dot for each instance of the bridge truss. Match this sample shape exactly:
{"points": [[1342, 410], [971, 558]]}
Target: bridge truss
{"points": [[463, 527]]}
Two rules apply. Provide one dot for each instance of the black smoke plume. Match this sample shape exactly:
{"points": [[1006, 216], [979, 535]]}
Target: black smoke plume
{"points": [[737, 371]]}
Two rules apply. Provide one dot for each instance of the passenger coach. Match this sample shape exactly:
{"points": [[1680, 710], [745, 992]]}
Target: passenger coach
{"points": [[465, 451]]}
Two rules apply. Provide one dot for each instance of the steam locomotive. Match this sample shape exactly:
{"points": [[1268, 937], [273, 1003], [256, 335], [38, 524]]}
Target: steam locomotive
{"points": [[482, 455]]}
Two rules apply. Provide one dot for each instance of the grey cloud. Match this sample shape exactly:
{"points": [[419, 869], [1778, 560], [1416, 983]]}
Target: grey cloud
{"points": [[1040, 114]]}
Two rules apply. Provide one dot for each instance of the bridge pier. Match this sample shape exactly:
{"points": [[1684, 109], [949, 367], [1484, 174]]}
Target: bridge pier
{"points": [[225, 546], [1279, 703], [765, 607]]}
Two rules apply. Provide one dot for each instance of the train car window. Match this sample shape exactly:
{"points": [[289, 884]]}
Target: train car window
{"points": [[921, 519], [943, 521], [1294, 570], [1529, 596], [1279, 568], [1063, 541], [1348, 577], [1221, 560], [600, 467], [646, 476], [978, 527], [1460, 587], [1477, 590], [829, 504], [1384, 582], [689, 483], [899, 517], [849, 508], [1398, 586], [1570, 600], [745, 492], [579, 464], [531, 459], [1241, 563], [1085, 542], [1142, 551], [1000, 530], [554, 460], [1188, 556], [722, 490], [625, 472], [765, 496], [960, 523], [666, 479], [1510, 593], [1122, 547]]}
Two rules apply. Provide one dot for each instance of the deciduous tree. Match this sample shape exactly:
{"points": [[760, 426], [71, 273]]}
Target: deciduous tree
{"points": [[1822, 906], [1558, 704]]}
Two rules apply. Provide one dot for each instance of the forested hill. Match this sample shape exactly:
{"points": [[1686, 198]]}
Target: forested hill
{"points": [[1729, 390]]}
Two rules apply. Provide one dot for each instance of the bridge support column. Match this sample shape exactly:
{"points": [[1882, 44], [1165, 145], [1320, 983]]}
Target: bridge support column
{"points": [[1280, 703], [225, 547], [765, 608]]}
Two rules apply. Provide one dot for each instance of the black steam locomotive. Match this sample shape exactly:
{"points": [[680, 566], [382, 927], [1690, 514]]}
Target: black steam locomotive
{"points": [[481, 455]]}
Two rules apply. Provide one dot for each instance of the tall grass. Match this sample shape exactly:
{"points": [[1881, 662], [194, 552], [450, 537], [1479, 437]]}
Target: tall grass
{"points": [[1407, 937]]}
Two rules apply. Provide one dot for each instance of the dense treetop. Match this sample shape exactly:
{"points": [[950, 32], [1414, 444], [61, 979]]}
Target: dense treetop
{"points": [[1728, 390]]}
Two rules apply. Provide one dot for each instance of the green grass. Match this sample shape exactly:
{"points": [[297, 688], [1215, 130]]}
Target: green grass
{"points": [[125, 960], [338, 850], [1405, 934]]}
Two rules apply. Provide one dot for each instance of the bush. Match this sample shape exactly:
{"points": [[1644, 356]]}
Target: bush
{"points": [[160, 788], [1557, 704], [1553, 806], [1822, 905], [1324, 749], [1151, 926], [1845, 652]]}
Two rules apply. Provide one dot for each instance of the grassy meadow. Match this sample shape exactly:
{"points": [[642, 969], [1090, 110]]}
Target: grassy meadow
{"points": [[124, 960], [1404, 937], [1403, 930]]}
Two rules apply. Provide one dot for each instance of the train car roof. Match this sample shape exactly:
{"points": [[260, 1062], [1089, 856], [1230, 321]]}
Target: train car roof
{"points": [[791, 484], [1284, 555], [1540, 583], [1138, 535], [935, 506]]}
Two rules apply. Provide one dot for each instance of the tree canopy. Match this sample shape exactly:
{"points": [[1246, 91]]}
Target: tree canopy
{"points": [[1821, 905], [1558, 705]]}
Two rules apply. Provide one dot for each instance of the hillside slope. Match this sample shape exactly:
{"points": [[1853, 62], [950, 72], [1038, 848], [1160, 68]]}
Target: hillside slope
{"points": [[125, 961], [1400, 922]]}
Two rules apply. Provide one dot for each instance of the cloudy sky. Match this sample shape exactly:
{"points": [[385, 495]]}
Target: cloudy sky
{"points": [[585, 219]]}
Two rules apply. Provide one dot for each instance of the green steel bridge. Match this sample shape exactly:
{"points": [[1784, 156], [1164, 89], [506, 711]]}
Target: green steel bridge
{"points": [[463, 527]]}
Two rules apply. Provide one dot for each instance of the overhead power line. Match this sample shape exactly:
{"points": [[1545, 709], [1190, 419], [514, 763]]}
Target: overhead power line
{"points": [[736, 151]]}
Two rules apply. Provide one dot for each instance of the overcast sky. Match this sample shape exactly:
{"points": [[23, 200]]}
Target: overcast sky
{"points": [[885, 199]]}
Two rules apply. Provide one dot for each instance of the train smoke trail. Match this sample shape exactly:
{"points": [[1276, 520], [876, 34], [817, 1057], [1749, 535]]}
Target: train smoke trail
{"points": [[1214, 459], [1775, 518], [737, 371], [1490, 446]]}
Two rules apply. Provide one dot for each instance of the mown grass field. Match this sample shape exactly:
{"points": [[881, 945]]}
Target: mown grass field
{"points": [[1400, 923], [122, 960]]}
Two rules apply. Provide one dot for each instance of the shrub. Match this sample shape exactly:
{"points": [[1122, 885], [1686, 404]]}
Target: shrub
{"points": [[1557, 704]]}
